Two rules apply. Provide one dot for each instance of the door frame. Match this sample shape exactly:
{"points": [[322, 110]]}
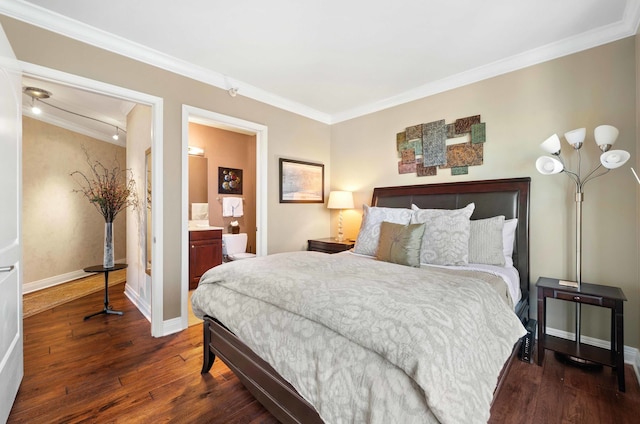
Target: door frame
{"points": [[156, 104], [229, 123]]}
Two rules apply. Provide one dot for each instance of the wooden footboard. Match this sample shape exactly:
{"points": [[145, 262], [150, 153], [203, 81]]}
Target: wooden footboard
{"points": [[268, 387]]}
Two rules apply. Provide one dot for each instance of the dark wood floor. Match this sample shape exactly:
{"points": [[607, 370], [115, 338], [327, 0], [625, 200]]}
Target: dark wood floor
{"points": [[109, 369]]}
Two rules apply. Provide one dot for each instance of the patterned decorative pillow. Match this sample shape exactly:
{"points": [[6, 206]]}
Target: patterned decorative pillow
{"points": [[446, 234], [400, 244], [369, 235], [485, 241]]}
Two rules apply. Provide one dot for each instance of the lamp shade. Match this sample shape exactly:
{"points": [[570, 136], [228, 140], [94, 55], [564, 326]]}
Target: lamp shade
{"points": [[576, 137], [551, 145], [547, 165], [605, 136], [614, 158], [340, 200]]}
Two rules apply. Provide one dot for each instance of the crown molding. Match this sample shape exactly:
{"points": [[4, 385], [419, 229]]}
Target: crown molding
{"points": [[62, 25], [59, 24], [627, 27]]}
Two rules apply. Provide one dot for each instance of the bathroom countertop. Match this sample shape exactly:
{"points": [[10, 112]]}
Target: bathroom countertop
{"points": [[203, 228]]}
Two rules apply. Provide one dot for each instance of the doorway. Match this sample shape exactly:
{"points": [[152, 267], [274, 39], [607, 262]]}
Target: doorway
{"points": [[73, 81], [228, 123]]}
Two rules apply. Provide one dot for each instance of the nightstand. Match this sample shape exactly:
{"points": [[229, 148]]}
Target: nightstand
{"points": [[589, 294], [329, 245]]}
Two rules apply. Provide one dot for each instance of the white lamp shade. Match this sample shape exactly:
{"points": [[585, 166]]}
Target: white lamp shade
{"points": [[340, 200], [614, 158], [551, 145], [547, 165], [576, 137], [605, 136]]}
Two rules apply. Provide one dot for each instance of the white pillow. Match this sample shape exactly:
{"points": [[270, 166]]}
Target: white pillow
{"points": [[446, 234], [369, 235], [485, 241], [508, 240]]}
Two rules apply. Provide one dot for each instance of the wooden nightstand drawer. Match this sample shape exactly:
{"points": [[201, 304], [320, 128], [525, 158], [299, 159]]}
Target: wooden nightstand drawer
{"points": [[579, 297], [329, 245]]}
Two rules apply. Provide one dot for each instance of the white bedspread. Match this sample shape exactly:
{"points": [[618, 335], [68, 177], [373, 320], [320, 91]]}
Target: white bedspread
{"points": [[368, 341]]}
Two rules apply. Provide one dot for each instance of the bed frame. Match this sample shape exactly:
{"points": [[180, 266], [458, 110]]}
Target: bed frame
{"points": [[508, 197]]}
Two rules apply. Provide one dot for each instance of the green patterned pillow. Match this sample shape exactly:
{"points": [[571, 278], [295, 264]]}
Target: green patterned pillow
{"points": [[400, 244]]}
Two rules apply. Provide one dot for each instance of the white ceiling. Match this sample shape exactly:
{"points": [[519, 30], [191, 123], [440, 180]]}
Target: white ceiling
{"points": [[333, 60]]}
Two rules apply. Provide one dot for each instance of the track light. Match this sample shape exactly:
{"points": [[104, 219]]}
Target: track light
{"points": [[38, 94], [35, 109]]}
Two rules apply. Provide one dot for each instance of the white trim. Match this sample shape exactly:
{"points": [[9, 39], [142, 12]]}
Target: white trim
{"points": [[631, 354], [230, 123], [135, 298], [63, 25], [45, 283], [72, 28], [172, 326], [156, 104]]}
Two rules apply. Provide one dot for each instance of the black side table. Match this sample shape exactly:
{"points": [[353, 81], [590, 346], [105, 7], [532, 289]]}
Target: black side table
{"points": [[589, 294], [99, 268]]}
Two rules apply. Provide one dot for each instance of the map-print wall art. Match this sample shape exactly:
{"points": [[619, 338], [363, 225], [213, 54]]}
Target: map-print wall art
{"points": [[424, 148]]}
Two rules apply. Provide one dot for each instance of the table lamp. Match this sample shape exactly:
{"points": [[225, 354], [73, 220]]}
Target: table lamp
{"points": [[340, 200]]}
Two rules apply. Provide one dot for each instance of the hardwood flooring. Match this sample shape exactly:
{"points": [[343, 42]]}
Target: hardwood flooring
{"points": [[109, 369]]}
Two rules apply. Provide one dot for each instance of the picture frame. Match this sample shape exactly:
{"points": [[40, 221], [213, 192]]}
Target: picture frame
{"points": [[229, 180], [301, 182]]}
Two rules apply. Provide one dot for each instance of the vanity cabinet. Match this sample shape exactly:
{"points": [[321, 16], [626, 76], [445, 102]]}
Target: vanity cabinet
{"points": [[205, 252]]}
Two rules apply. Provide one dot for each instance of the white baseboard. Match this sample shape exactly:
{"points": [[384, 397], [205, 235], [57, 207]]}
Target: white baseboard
{"points": [[631, 354], [33, 286], [139, 303], [171, 326]]}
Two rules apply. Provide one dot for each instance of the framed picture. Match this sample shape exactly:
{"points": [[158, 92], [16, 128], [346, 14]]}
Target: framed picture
{"points": [[229, 180], [301, 182]]}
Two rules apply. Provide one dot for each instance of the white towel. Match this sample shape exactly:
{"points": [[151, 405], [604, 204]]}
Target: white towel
{"points": [[232, 206], [199, 211], [237, 207]]}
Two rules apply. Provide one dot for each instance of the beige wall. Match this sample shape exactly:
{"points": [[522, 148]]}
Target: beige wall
{"points": [[521, 109], [230, 150], [61, 231], [290, 135]]}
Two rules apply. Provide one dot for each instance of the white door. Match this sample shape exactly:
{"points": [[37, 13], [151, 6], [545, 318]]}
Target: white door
{"points": [[11, 355]]}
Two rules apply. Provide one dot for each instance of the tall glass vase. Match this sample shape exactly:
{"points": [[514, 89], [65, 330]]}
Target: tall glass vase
{"points": [[107, 261]]}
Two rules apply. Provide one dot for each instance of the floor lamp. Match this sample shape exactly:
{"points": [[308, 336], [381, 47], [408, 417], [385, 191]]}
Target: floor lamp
{"points": [[605, 136], [340, 200]]}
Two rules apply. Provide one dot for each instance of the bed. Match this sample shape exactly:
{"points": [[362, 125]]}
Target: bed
{"points": [[223, 313]]}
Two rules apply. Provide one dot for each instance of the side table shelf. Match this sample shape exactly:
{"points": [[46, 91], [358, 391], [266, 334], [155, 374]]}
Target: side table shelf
{"points": [[589, 294]]}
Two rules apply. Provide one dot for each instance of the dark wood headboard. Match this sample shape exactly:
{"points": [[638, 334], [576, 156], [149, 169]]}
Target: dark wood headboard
{"points": [[508, 197]]}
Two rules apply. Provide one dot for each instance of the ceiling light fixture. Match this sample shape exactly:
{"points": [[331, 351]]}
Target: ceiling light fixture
{"points": [[38, 94]]}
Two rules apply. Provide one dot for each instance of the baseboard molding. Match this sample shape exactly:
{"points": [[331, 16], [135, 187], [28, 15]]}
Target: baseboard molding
{"points": [[631, 354], [139, 303], [33, 286], [171, 326]]}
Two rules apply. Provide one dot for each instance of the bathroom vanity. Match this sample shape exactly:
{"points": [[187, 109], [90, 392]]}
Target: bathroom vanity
{"points": [[205, 252]]}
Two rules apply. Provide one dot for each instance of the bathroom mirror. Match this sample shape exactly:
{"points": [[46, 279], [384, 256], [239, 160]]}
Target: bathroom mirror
{"points": [[147, 234], [198, 181]]}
